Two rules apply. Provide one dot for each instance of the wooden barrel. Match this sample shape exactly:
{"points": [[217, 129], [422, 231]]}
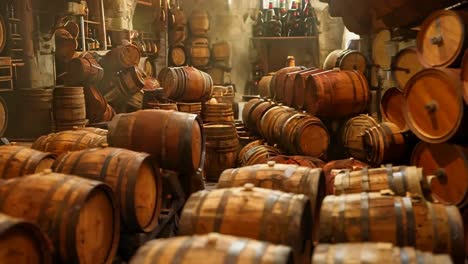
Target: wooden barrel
{"points": [[253, 112], [199, 51], [65, 44], [222, 144], [69, 107], [71, 140], [217, 74], [162, 106], [303, 134], [80, 216], [256, 153], [3, 34], [352, 136], [215, 113], [441, 40], [177, 36], [289, 92], [17, 161], [147, 67], [214, 248], [264, 86], [303, 161], [399, 180], [3, 116], [403, 221], [406, 64], [257, 213], [132, 80], [300, 87], [175, 139], [178, 21], [222, 52], [178, 55], [464, 78], [121, 57], [96, 105], [350, 60], [23, 242], [199, 23], [380, 56], [186, 84], [391, 108], [332, 168], [272, 120], [384, 143], [336, 93], [446, 165], [434, 108], [191, 108], [135, 181], [278, 81], [36, 119], [84, 70], [374, 253]]}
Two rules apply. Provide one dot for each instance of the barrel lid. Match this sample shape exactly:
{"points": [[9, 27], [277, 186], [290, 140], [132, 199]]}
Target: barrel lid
{"points": [[441, 39], [379, 51], [434, 108], [405, 66], [391, 107], [449, 164]]}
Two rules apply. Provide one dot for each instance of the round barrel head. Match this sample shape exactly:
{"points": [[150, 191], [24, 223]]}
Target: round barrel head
{"points": [[379, 51], [391, 107], [405, 66]]}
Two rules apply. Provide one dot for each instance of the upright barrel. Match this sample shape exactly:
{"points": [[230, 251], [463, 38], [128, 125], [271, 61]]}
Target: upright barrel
{"points": [[134, 179], [374, 253], [219, 112], [257, 213], [69, 108], [199, 51], [213, 248], [36, 118], [336, 94], [79, 216], [222, 144], [23, 242], [374, 217], [199, 23], [70, 140], [446, 165], [175, 139], [17, 161], [434, 108], [222, 52]]}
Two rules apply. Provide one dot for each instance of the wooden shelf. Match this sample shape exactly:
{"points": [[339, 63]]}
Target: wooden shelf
{"points": [[144, 3]]}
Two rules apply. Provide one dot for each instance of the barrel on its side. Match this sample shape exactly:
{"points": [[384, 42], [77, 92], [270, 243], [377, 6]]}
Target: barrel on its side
{"points": [[274, 117], [199, 51], [403, 221], [17, 161], [407, 64], [122, 57], [375, 253], [216, 113], [352, 136], [253, 111], [351, 60], [79, 216], [186, 84], [213, 248], [23, 242], [300, 87], [132, 176], [256, 153]]}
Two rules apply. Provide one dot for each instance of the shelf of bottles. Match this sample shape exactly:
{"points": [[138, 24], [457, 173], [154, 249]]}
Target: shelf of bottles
{"points": [[14, 37], [284, 19], [92, 36]]}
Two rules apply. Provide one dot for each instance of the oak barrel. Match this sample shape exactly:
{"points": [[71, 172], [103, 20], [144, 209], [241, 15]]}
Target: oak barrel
{"points": [[336, 93], [178, 55], [380, 55], [191, 108], [80, 216], [257, 213], [406, 64], [300, 87], [3, 116], [441, 40], [391, 107], [174, 139], [147, 67], [199, 23], [212, 248], [278, 81], [374, 253], [17, 161], [36, 118], [199, 51], [289, 92], [434, 108], [256, 153], [303, 134], [351, 60], [253, 111], [447, 167], [264, 86], [399, 179], [272, 119], [222, 144], [70, 140], [385, 143], [219, 112], [23, 242], [332, 168], [222, 52], [3, 34], [403, 221], [121, 57], [186, 84], [352, 136], [162, 106], [69, 108], [134, 179], [84, 70]]}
